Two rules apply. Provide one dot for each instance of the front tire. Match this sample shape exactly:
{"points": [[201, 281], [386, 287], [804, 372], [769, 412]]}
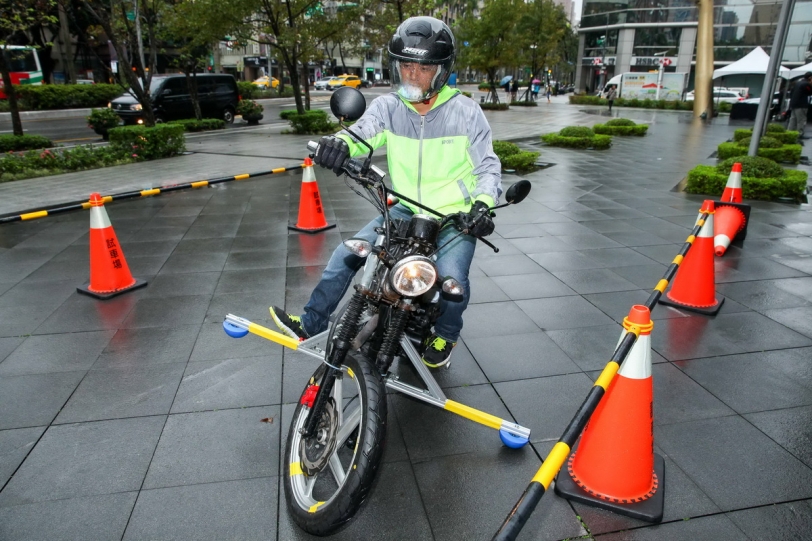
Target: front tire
{"points": [[325, 502], [228, 115]]}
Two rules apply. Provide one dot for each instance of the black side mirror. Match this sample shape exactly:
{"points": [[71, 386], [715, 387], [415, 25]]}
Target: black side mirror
{"points": [[517, 192], [348, 103]]}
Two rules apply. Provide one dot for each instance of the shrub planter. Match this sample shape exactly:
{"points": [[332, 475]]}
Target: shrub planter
{"points": [[250, 111], [784, 153], [578, 137], [102, 120], [621, 126], [775, 131], [494, 106], [194, 125], [515, 159], [11, 143], [313, 122], [761, 179], [161, 141]]}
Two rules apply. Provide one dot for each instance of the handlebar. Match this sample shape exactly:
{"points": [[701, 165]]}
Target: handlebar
{"points": [[355, 168]]}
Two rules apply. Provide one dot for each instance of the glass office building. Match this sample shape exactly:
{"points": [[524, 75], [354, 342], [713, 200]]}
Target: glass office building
{"points": [[632, 35]]}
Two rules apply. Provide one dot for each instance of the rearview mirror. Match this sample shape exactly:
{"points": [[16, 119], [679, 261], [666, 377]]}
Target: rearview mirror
{"points": [[348, 103], [517, 192]]}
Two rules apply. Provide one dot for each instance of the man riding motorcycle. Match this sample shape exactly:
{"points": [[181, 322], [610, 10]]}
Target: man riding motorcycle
{"points": [[440, 154]]}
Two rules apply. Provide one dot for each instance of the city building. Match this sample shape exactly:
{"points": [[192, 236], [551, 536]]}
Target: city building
{"points": [[620, 36]]}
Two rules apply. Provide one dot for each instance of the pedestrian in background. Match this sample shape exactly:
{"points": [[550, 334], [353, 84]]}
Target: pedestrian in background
{"points": [[535, 89], [799, 104], [514, 89], [549, 91], [611, 97]]}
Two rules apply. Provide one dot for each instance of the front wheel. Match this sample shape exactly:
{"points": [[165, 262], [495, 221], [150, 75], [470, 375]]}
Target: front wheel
{"points": [[329, 477], [228, 115]]}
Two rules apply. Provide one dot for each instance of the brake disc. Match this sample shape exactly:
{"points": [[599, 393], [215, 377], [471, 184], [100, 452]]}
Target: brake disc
{"points": [[316, 451]]}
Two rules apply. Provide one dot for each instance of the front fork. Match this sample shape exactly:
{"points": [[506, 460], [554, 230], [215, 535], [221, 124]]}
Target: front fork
{"points": [[342, 342]]}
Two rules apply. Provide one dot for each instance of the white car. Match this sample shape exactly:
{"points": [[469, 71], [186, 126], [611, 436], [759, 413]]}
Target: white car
{"points": [[321, 84], [719, 96]]}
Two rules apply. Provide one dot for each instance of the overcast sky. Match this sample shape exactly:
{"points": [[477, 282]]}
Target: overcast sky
{"points": [[577, 8]]}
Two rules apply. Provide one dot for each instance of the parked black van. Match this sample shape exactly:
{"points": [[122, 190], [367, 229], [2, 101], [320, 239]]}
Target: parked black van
{"points": [[218, 96]]}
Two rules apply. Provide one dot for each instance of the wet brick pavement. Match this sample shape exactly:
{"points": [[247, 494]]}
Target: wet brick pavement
{"points": [[138, 418]]}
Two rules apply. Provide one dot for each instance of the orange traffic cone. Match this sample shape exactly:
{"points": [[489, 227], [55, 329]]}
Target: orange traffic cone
{"points": [[109, 273], [729, 223], [694, 285], [615, 466], [733, 189], [311, 214]]}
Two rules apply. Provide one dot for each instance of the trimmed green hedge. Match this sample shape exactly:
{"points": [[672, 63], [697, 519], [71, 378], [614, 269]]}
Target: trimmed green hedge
{"points": [[35, 163], [644, 104], [786, 137], [786, 153], [577, 131], [621, 122], [523, 103], [705, 179], [161, 141], [313, 122], [605, 129], [752, 166], [251, 91], [66, 96], [487, 106], [765, 142], [193, 125], [10, 143], [512, 157], [598, 142]]}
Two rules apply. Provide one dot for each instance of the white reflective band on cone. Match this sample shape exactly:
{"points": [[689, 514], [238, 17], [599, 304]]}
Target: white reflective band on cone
{"points": [[707, 230], [99, 218], [734, 180], [638, 362], [308, 175], [721, 240]]}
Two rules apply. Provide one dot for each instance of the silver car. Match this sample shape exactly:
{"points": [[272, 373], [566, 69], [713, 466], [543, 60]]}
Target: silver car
{"points": [[321, 84]]}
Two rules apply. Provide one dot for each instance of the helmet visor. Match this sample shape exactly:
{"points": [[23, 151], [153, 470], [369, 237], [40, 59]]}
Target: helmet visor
{"points": [[417, 82]]}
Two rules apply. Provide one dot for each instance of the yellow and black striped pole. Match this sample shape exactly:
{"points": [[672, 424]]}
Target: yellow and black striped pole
{"points": [[143, 193], [518, 516]]}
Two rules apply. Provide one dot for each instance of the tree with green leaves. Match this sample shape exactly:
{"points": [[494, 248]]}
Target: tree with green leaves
{"points": [[16, 18], [133, 28], [190, 27], [542, 26], [493, 41]]}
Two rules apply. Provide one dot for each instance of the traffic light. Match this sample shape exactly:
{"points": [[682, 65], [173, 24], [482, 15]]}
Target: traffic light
{"points": [[208, 68]]}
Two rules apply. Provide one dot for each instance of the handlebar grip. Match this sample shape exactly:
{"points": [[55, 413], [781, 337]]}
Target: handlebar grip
{"points": [[312, 146]]}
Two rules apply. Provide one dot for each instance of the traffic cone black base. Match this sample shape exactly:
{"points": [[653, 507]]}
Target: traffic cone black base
{"points": [[86, 290], [649, 510], [704, 310], [317, 230]]}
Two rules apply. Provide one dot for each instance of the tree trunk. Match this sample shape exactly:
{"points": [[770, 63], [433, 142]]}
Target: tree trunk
{"points": [[191, 82], [341, 54], [8, 88], [306, 84]]}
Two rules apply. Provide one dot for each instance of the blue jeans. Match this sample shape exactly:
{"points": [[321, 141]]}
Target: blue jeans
{"points": [[453, 260]]}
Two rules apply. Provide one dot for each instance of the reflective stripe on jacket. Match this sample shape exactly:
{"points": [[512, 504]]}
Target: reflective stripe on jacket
{"points": [[444, 160]]}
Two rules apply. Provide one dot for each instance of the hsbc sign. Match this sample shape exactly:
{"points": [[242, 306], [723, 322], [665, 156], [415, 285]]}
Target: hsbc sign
{"points": [[653, 61]]}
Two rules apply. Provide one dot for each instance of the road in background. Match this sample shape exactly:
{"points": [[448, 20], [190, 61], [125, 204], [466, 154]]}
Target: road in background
{"points": [[72, 131]]}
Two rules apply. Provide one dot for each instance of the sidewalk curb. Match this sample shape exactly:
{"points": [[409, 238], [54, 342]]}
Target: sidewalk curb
{"points": [[49, 113]]}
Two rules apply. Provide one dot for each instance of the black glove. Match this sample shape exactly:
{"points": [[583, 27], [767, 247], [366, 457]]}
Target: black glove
{"points": [[478, 221], [332, 153]]}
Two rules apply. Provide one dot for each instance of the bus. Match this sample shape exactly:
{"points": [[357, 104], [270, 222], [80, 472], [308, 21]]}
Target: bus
{"points": [[24, 66]]}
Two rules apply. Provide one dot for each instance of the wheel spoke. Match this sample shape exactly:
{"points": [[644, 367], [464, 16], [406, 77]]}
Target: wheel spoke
{"points": [[351, 421], [337, 469], [310, 482]]}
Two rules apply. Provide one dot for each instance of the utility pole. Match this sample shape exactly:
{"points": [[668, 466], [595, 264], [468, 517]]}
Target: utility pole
{"points": [[766, 101]]}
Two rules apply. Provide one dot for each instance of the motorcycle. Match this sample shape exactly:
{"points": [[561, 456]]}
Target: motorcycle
{"points": [[337, 437]]}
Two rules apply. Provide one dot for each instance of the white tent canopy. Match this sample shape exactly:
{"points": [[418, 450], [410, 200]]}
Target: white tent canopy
{"points": [[797, 72], [754, 63]]}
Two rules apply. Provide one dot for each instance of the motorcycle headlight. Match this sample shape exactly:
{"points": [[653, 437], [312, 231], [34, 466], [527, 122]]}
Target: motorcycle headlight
{"points": [[413, 276]]}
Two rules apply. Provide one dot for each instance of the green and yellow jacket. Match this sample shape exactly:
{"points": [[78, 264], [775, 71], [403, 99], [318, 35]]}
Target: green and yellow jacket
{"points": [[444, 160]]}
